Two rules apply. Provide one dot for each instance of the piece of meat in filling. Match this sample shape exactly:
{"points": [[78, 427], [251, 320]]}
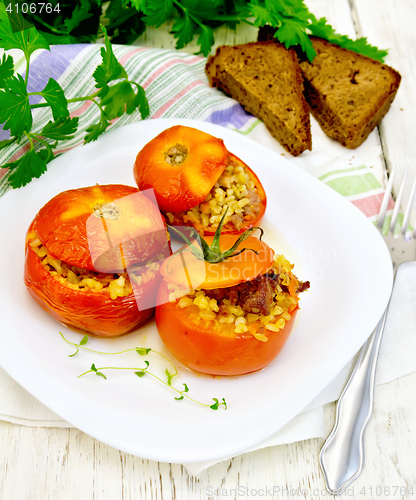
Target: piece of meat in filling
{"points": [[255, 296]]}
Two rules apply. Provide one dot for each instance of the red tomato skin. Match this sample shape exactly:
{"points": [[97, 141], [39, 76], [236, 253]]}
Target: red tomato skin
{"points": [[61, 225], [92, 312], [181, 187], [208, 352]]}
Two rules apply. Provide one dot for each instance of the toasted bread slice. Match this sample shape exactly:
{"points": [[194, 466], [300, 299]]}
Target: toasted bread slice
{"points": [[266, 79], [348, 93]]}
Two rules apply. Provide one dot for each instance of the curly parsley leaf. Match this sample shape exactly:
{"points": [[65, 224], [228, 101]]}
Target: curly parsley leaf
{"points": [[263, 14], [15, 34], [294, 22], [140, 5], [7, 142], [290, 8], [46, 154], [61, 129], [293, 33], [26, 168], [361, 46], [141, 102], [81, 12], [15, 113], [110, 69], [183, 30], [55, 97], [205, 40], [125, 22], [119, 99], [93, 131], [291, 19], [324, 30], [158, 12], [6, 69]]}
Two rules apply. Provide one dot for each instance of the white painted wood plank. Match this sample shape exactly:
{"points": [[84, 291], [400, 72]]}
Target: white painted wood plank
{"points": [[391, 24], [43, 464]]}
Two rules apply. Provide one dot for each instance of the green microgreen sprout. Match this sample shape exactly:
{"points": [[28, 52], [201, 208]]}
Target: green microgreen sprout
{"points": [[142, 351], [141, 371], [100, 374], [169, 376], [216, 404]]}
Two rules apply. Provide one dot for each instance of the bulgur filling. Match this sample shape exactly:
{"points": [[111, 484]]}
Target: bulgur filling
{"points": [[117, 284], [216, 315], [234, 191]]}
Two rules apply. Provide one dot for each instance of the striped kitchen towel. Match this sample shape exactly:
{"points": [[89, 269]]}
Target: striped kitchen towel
{"points": [[176, 87]]}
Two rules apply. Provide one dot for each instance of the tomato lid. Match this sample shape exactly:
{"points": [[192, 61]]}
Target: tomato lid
{"points": [[102, 228], [181, 164], [184, 269]]}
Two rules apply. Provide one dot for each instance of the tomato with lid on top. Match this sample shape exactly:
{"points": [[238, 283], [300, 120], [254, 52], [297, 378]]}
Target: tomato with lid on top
{"points": [[181, 164], [196, 181], [92, 258], [228, 317]]}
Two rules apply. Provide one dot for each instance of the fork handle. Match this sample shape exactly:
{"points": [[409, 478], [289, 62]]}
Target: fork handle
{"points": [[342, 455]]}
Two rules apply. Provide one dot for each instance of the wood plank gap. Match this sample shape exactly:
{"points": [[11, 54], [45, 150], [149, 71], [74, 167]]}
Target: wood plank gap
{"points": [[359, 32], [355, 18]]}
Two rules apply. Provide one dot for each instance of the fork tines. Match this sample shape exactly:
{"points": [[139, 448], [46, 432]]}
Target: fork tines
{"points": [[385, 202]]}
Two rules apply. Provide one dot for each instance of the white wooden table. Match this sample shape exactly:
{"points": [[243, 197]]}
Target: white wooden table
{"points": [[61, 464]]}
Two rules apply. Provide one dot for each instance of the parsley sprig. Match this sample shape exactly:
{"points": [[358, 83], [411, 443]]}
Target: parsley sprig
{"points": [[141, 371], [115, 95], [127, 20]]}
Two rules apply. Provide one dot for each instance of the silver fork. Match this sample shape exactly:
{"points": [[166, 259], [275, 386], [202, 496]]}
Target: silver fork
{"points": [[342, 455]]}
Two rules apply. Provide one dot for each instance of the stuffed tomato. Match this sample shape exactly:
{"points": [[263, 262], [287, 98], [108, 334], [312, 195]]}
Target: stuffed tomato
{"points": [[239, 317], [91, 261], [196, 181]]}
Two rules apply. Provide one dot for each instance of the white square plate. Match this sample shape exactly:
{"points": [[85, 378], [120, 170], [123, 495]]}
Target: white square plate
{"points": [[332, 244]]}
